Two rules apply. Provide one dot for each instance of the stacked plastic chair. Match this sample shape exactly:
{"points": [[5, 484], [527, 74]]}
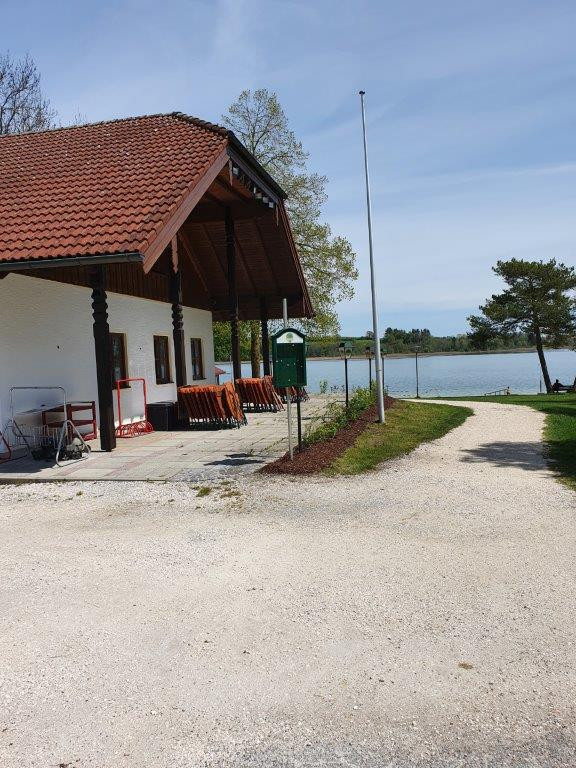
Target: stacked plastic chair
{"points": [[258, 395], [215, 405], [296, 394]]}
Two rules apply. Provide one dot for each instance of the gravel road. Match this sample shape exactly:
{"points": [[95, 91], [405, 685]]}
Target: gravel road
{"points": [[421, 615]]}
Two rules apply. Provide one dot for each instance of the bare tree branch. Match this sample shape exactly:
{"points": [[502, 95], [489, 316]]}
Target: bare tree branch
{"points": [[23, 108]]}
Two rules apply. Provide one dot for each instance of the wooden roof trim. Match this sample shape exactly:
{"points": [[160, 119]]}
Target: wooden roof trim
{"points": [[184, 209]]}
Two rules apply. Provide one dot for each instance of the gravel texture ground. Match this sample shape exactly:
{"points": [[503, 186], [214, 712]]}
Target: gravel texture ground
{"points": [[421, 615]]}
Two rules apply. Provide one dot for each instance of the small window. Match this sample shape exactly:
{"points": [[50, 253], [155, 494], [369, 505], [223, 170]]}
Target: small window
{"points": [[197, 362], [118, 357], [162, 360]]}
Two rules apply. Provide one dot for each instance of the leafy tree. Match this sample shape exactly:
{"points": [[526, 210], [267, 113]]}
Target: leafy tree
{"points": [[222, 342], [22, 105], [537, 301], [260, 123]]}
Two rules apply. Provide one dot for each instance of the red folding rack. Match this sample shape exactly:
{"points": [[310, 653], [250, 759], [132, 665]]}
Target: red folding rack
{"points": [[134, 428]]}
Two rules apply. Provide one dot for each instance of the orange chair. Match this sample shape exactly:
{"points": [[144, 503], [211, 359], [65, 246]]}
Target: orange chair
{"points": [[212, 405], [258, 395]]}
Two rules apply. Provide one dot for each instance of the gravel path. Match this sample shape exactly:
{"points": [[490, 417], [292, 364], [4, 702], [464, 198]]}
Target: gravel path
{"points": [[421, 615]]}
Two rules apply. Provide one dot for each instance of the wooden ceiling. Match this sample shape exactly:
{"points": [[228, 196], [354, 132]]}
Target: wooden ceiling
{"points": [[267, 265]]}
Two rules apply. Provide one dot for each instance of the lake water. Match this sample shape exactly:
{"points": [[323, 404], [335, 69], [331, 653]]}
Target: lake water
{"points": [[445, 375]]}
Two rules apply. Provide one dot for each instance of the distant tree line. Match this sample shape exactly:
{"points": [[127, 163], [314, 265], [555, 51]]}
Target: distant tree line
{"points": [[399, 341], [394, 341]]}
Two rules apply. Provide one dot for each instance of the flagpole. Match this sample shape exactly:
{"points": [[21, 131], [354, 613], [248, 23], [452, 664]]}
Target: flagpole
{"points": [[377, 356]]}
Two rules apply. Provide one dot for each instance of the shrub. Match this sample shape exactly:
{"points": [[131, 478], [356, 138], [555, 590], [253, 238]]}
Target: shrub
{"points": [[337, 416]]}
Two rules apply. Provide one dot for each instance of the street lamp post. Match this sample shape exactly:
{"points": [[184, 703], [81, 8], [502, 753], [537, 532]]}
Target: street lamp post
{"points": [[345, 354], [378, 359], [369, 355], [383, 358], [416, 348]]}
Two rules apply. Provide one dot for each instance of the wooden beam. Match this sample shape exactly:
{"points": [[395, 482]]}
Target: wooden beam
{"points": [[232, 294], [272, 272], [174, 253], [214, 250], [265, 337], [212, 209], [178, 329], [185, 241], [245, 265], [103, 357], [293, 298], [175, 291]]}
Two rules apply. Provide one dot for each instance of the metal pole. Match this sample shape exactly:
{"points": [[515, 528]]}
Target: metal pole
{"points": [[417, 388], [383, 378], [346, 377], [378, 360], [369, 373], [288, 396], [299, 414]]}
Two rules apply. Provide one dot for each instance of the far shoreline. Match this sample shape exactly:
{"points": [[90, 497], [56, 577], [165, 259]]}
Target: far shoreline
{"points": [[452, 353], [399, 355]]}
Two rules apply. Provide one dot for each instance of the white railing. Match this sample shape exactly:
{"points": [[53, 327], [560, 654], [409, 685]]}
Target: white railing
{"points": [[501, 391]]}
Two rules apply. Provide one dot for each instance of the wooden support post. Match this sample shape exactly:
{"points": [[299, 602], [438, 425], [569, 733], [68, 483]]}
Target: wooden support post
{"points": [[232, 293], [103, 357], [265, 337], [177, 318]]}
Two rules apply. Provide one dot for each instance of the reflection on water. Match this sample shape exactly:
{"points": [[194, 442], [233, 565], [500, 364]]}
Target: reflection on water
{"points": [[446, 375]]}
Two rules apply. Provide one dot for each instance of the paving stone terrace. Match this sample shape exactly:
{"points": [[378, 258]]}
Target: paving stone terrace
{"points": [[177, 456]]}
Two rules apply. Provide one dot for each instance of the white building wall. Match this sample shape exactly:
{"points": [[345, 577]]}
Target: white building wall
{"points": [[46, 338]]}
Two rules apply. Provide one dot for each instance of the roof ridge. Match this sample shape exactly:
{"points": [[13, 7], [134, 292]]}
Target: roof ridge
{"points": [[199, 122], [178, 115]]}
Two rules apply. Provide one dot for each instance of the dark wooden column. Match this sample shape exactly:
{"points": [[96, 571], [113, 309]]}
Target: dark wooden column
{"points": [[177, 318], [232, 293], [103, 357], [265, 337]]}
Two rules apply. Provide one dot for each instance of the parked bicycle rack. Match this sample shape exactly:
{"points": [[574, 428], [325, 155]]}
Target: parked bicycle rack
{"points": [[132, 428]]}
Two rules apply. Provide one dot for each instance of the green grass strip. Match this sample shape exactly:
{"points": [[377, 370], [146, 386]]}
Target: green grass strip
{"points": [[559, 429], [407, 425]]}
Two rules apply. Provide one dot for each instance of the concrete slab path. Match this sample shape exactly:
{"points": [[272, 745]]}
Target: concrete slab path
{"points": [[421, 615], [194, 456]]}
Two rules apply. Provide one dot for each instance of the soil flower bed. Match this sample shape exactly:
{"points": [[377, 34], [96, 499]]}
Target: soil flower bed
{"points": [[318, 456]]}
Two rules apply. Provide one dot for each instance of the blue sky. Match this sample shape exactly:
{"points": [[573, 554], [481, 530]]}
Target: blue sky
{"points": [[471, 117]]}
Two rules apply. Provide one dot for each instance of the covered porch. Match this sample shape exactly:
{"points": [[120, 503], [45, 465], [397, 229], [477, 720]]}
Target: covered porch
{"points": [[165, 209]]}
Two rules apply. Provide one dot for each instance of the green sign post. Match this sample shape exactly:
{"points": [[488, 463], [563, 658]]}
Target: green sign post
{"points": [[289, 361], [289, 358]]}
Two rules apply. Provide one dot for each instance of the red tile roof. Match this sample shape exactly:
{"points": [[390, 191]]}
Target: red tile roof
{"points": [[104, 188]]}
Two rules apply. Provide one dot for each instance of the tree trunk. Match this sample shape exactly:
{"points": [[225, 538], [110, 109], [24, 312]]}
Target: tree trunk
{"points": [[543, 364], [255, 348]]}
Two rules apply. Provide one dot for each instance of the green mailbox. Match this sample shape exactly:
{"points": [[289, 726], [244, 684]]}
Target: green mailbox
{"points": [[289, 358]]}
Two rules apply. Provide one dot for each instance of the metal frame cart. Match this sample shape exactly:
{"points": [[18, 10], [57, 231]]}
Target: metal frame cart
{"points": [[58, 443]]}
